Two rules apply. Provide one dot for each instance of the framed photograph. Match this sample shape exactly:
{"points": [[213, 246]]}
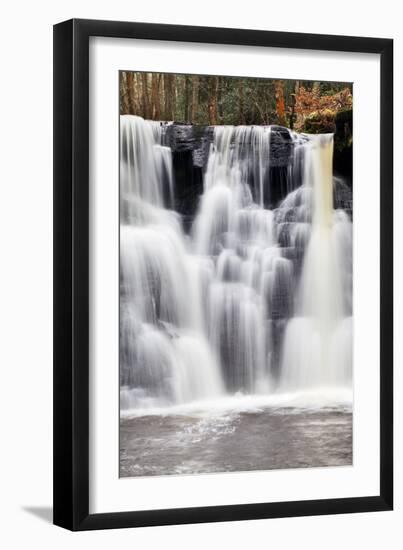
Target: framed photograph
{"points": [[223, 274]]}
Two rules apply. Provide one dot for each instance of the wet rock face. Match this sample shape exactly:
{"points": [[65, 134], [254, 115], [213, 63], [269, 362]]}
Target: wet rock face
{"points": [[342, 196], [190, 145], [197, 139], [281, 147], [183, 138], [343, 145], [188, 185]]}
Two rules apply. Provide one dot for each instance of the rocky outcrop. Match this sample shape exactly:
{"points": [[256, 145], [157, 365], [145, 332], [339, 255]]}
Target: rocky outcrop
{"points": [[182, 138], [343, 145], [190, 145]]}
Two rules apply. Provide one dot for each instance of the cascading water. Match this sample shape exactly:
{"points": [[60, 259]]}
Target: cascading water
{"points": [[317, 346], [162, 339], [253, 300]]}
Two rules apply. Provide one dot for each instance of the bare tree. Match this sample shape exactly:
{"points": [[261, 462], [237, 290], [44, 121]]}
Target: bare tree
{"points": [[186, 99], [316, 87], [195, 98], [145, 96], [155, 96], [169, 97], [212, 102], [280, 104], [124, 96], [293, 101], [241, 105], [131, 92]]}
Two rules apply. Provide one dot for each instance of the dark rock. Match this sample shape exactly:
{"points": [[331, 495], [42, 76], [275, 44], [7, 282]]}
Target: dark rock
{"points": [[190, 145], [342, 195], [343, 145], [188, 185], [320, 122]]}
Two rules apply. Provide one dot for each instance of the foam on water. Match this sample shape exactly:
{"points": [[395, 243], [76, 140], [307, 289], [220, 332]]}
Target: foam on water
{"points": [[321, 398]]}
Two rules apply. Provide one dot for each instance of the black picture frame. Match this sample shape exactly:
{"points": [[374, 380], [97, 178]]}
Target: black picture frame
{"points": [[71, 274]]}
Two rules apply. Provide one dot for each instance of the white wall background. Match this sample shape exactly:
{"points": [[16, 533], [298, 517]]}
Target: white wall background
{"points": [[26, 273]]}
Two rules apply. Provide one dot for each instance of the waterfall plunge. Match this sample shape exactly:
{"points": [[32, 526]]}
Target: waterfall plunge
{"points": [[164, 353], [317, 348], [254, 300]]}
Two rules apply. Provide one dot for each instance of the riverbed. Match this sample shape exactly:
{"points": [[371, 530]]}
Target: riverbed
{"points": [[260, 438]]}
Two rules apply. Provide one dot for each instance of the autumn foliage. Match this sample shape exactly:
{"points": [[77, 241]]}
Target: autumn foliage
{"points": [[313, 109], [280, 103], [305, 106]]}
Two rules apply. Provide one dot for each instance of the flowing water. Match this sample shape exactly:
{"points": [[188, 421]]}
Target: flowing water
{"points": [[254, 303]]}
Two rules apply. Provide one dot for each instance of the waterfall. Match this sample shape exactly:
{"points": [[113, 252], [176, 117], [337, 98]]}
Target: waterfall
{"points": [[165, 356], [321, 330], [145, 167], [253, 300]]}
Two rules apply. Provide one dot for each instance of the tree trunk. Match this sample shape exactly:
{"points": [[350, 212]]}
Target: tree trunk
{"points": [[145, 96], [241, 104], [131, 100], [280, 105], [212, 103], [186, 105], [195, 98], [166, 96], [138, 87], [293, 101], [155, 96], [316, 88], [173, 86], [220, 109], [124, 97], [169, 97]]}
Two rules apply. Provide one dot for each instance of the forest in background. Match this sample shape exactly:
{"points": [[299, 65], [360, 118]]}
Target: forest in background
{"points": [[301, 105]]}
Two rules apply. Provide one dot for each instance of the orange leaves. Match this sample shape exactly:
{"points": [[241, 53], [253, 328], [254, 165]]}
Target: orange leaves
{"points": [[310, 103], [280, 103]]}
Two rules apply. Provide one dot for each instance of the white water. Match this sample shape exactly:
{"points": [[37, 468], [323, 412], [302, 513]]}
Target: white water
{"points": [[254, 301], [317, 343]]}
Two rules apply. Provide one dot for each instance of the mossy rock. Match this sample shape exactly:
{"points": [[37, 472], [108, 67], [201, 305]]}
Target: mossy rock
{"points": [[320, 122], [344, 116], [313, 117], [344, 129]]}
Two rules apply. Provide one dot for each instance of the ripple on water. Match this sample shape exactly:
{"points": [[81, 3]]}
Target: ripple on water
{"points": [[238, 441]]}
